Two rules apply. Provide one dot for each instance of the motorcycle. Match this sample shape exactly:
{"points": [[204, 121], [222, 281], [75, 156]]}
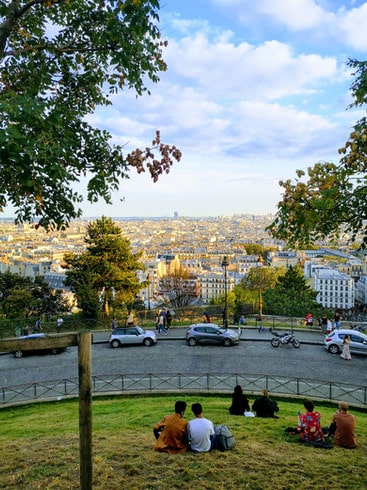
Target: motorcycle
{"points": [[284, 339]]}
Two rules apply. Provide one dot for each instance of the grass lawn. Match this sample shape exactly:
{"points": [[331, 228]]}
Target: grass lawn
{"points": [[39, 448]]}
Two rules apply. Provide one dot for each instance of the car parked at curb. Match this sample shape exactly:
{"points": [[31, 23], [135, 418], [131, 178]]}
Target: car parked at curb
{"points": [[36, 351], [210, 333], [334, 341], [133, 335]]}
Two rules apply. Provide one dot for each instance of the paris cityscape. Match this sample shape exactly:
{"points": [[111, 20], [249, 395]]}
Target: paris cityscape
{"points": [[198, 245]]}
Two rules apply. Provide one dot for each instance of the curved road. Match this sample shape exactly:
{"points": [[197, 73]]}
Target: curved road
{"points": [[174, 356]]}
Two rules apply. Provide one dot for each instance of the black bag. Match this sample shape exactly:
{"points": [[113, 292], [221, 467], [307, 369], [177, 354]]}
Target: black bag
{"points": [[223, 438]]}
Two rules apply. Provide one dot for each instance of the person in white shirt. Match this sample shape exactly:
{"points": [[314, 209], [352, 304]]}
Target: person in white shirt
{"points": [[200, 430]]}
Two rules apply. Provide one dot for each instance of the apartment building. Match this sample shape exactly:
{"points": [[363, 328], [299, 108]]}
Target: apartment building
{"points": [[361, 290], [334, 289]]}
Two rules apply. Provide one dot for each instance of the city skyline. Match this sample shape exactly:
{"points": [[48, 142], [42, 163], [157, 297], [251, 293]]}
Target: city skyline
{"points": [[253, 91]]}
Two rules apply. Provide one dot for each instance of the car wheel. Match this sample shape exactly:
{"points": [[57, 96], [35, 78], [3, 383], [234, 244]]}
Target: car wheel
{"points": [[192, 341], [115, 343], [147, 342], [227, 342], [275, 342], [55, 350], [334, 349], [18, 354], [296, 343]]}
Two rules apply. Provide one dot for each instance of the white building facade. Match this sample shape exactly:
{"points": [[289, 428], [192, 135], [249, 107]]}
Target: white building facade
{"points": [[334, 289]]}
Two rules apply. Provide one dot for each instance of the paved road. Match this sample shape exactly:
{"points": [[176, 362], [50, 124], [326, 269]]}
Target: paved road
{"points": [[254, 355]]}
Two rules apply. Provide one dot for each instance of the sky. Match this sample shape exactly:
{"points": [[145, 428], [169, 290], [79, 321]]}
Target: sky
{"points": [[254, 91]]}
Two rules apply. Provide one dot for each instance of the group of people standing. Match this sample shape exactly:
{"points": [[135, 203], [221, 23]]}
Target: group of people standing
{"points": [[327, 325], [163, 321]]}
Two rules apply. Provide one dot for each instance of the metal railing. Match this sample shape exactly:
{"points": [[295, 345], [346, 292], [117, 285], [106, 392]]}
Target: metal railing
{"points": [[186, 383]]}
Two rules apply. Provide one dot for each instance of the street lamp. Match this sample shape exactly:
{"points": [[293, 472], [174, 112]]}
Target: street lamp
{"points": [[225, 264], [148, 290]]}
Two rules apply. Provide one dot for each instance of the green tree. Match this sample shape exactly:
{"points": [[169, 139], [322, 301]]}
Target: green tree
{"points": [[25, 297], [333, 199], [258, 249], [291, 295], [257, 281], [105, 274], [60, 59]]}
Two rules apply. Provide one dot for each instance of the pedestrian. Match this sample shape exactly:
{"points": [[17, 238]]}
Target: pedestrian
{"points": [[260, 320], [324, 323], [346, 351], [242, 320], [157, 321], [206, 317], [59, 322], [38, 325], [169, 319], [309, 320], [161, 323], [113, 324], [130, 318], [337, 320], [342, 428]]}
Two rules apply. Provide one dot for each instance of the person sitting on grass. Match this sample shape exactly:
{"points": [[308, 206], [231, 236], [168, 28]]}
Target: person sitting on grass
{"points": [[171, 431], [240, 403], [200, 430], [264, 406], [342, 428], [309, 426]]}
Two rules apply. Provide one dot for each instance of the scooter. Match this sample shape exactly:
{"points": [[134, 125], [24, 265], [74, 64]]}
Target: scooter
{"points": [[284, 339]]}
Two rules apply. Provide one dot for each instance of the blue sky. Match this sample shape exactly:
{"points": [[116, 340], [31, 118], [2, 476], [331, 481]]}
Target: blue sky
{"points": [[254, 90]]}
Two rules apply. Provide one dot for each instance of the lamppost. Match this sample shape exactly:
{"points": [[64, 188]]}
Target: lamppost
{"points": [[225, 264], [148, 290]]}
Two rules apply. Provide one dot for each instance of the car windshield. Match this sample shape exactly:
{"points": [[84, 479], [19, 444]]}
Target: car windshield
{"points": [[140, 330]]}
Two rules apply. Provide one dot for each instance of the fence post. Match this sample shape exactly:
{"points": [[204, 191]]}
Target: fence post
{"points": [[85, 409]]}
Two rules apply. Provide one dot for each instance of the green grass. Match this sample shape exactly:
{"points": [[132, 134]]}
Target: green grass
{"points": [[39, 448]]}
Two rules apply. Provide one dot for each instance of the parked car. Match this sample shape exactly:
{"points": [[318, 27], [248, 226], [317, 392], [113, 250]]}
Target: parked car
{"points": [[210, 333], [334, 341], [132, 336], [36, 351]]}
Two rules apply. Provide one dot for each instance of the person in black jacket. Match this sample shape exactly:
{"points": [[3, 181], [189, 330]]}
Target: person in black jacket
{"points": [[240, 403], [264, 406]]}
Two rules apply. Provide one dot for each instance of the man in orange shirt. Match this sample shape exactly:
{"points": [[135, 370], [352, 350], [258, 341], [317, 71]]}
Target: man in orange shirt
{"points": [[171, 431]]}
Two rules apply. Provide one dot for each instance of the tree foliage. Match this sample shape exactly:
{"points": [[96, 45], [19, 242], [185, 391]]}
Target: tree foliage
{"points": [[25, 297], [333, 199], [60, 59], [255, 283], [291, 295], [105, 274]]}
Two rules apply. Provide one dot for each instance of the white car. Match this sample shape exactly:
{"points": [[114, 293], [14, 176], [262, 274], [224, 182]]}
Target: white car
{"points": [[132, 336], [334, 341]]}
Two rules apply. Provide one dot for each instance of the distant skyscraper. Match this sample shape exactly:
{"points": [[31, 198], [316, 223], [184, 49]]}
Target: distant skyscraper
{"points": [[175, 214]]}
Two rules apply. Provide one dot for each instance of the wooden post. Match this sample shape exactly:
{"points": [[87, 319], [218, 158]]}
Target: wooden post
{"points": [[85, 409]]}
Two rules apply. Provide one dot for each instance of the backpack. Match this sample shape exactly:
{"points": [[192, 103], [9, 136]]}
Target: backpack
{"points": [[223, 438]]}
